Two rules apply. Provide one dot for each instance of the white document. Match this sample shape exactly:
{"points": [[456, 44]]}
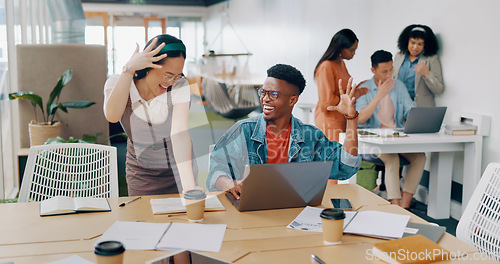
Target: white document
{"points": [[166, 236], [177, 205], [308, 220], [135, 235], [376, 224], [366, 223], [193, 237], [75, 259]]}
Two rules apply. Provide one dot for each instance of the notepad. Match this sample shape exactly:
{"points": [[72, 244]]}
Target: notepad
{"points": [[375, 224], [166, 236], [431, 232], [178, 205], [412, 249], [58, 205]]}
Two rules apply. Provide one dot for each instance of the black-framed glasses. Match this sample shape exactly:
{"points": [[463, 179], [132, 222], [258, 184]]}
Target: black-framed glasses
{"points": [[273, 95], [169, 78]]}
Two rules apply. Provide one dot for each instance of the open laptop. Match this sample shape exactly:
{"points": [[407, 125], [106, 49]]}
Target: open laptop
{"points": [[282, 185], [424, 120]]}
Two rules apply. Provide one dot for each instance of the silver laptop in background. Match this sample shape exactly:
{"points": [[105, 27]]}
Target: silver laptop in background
{"points": [[424, 120], [282, 185]]}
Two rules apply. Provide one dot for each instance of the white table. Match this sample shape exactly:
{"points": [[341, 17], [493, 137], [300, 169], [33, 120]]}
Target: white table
{"points": [[442, 147]]}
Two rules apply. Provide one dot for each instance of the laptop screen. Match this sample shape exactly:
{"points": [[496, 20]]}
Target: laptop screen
{"points": [[284, 185], [424, 120]]}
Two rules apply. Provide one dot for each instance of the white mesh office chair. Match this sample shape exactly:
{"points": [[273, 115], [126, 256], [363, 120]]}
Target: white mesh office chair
{"points": [[480, 222], [70, 169]]}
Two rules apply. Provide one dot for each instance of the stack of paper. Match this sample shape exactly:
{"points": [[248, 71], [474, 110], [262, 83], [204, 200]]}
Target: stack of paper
{"points": [[460, 129]]}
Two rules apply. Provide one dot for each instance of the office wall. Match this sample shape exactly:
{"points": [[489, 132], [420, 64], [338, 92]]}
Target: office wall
{"points": [[297, 32]]}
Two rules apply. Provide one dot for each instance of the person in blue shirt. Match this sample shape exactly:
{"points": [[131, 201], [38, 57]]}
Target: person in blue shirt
{"points": [[386, 105], [276, 136]]}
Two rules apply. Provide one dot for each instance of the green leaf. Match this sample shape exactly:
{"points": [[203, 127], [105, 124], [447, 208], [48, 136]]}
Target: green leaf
{"points": [[78, 104], [91, 138], [55, 140], [30, 96], [53, 108], [73, 140], [63, 80]]}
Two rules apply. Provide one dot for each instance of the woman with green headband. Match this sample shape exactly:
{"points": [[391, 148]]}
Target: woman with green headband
{"points": [[150, 98]]}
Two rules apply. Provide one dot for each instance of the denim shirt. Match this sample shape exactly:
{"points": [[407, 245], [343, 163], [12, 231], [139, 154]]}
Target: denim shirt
{"points": [[399, 96], [245, 143], [407, 75]]}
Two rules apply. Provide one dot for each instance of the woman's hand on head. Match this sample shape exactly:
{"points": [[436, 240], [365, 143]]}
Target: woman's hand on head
{"points": [[146, 58]]}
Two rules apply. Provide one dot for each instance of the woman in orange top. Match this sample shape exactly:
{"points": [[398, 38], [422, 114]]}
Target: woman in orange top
{"points": [[328, 72]]}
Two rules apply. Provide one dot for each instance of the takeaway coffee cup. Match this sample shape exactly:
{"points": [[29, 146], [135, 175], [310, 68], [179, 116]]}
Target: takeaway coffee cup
{"points": [[195, 205], [109, 252], [332, 221]]}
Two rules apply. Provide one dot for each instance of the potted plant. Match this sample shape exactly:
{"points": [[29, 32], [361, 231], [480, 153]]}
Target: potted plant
{"points": [[40, 131]]}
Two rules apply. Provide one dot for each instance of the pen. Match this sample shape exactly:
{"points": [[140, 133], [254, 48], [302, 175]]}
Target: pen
{"points": [[135, 199], [317, 259]]}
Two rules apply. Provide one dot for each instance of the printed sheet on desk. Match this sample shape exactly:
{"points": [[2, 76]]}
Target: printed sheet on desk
{"points": [[365, 223]]}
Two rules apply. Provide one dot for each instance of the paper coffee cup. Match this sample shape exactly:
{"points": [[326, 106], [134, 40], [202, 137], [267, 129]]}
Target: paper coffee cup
{"points": [[332, 221], [195, 205], [109, 252]]}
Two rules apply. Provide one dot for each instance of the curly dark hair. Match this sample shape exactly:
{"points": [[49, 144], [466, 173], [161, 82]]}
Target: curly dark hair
{"points": [[167, 39], [289, 74], [343, 39], [418, 32]]}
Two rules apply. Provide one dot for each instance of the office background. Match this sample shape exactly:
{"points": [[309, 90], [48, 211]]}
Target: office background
{"points": [[297, 32]]}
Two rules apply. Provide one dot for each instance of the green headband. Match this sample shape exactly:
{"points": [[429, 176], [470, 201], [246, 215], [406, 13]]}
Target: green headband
{"points": [[173, 46]]}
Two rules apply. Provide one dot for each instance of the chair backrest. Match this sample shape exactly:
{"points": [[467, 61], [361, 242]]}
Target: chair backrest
{"points": [[480, 221], [230, 101], [70, 169]]}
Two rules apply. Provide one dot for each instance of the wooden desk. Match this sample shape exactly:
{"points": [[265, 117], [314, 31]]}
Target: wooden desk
{"points": [[259, 236], [442, 147]]}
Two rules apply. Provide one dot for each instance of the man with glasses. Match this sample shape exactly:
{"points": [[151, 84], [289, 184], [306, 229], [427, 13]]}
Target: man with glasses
{"points": [[275, 136]]}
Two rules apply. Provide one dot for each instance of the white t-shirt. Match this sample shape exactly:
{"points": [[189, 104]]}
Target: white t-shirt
{"points": [[157, 107]]}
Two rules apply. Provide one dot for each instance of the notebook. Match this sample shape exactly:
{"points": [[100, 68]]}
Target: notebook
{"points": [[412, 249], [424, 120], [282, 185]]}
